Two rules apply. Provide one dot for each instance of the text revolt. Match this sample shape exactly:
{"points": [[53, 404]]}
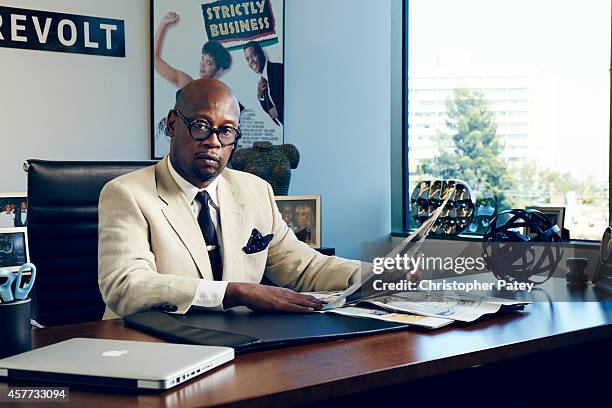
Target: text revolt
{"points": [[48, 31]]}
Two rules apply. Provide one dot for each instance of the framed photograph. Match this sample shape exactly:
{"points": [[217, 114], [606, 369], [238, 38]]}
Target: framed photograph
{"points": [[303, 215], [240, 43], [13, 248], [556, 215], [13, 210]]}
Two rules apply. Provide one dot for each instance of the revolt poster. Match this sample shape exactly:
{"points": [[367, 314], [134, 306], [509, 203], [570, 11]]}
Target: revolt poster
{"points": [[239, 42]]}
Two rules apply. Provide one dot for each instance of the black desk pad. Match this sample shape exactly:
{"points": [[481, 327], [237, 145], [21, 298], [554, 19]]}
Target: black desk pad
{"points": [[248, 331]]}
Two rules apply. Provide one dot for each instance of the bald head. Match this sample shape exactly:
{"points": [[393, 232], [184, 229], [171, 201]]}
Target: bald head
{"points": [[206, 92]]}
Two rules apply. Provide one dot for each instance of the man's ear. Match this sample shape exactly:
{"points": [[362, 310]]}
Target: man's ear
{"points": [[229, 159], [170, 123]]}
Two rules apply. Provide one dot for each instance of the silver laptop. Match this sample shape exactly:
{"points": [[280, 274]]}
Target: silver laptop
{"points": [[115, 363]]}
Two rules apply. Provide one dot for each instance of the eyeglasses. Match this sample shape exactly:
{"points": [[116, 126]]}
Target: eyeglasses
{"points": [[201, 129]]}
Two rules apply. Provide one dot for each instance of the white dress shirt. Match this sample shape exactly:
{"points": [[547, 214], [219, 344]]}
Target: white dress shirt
{"points": [[264, 75], [209, 294]]}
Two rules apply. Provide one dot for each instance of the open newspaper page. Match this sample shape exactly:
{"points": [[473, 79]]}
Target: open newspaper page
{"points": [[409, 246], [405, 318], [456, 306]]}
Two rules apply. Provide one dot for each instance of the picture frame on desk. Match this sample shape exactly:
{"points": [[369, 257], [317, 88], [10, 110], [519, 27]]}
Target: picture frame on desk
{"points": [[303, 215], [14, 200], [14, 250], [556, 215]]}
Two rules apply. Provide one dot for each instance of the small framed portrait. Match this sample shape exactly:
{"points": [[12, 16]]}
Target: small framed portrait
{"points": [[556, 215], [13, 210], [13, 248], [303, 215]]}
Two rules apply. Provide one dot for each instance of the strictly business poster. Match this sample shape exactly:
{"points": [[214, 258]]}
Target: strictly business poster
{"points": [[195, 39]]}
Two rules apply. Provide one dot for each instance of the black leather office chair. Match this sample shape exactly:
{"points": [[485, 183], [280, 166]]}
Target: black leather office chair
{"points": [[63, 235]]}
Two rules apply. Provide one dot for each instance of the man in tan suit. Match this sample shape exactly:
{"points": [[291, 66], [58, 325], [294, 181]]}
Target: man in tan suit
{"points": [[174, 235]]}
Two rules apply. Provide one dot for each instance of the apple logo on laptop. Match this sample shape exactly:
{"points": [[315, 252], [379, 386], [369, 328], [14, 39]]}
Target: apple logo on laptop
{"points": [[114, 353]]}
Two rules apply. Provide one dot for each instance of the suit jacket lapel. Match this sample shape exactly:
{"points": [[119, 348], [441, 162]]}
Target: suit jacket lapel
{"points": [[233, 236], [179, 215]]}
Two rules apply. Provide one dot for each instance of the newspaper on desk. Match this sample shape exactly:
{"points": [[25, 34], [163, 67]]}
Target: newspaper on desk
{"points": [[459, 306], [413, 241], [425, 309], [432, 310], [405, 318]]}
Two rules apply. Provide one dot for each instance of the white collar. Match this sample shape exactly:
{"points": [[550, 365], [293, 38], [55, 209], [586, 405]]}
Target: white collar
{"points": [[190, 190], [264, 73]]}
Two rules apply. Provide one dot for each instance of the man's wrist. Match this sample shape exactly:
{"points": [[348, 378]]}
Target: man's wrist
{"points": [[233, 294]]}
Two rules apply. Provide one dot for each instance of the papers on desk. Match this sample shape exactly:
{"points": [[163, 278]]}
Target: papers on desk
{"points": [[325, 296], [424, 309], [406, 318], [456, 306]]}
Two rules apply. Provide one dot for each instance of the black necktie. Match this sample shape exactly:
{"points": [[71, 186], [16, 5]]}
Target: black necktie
{"points": [[210, 236]]}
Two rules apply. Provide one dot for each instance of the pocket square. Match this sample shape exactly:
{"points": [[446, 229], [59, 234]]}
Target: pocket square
{"points": [[257, 242]]}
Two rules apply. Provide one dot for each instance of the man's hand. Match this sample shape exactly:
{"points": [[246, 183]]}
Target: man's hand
{"points": [[262, 88], [170, 18], [273, 113], [269, 298]]}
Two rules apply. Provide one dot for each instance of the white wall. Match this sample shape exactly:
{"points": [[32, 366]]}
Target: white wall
{"points": [[64, 106], [337, 112]]}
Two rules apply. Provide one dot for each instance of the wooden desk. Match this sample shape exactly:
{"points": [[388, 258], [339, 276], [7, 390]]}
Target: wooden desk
{"points": [[356, 368]]}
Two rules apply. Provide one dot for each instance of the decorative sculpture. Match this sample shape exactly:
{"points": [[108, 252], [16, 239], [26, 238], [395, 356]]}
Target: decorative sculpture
{"points": [[272, 163], [523, 246], [458, 214]]}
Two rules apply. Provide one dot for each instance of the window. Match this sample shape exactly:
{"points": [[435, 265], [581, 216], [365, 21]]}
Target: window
{"points": [[535, 76]]}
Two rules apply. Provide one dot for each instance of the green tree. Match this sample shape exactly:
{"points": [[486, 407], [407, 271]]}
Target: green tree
{"points": [[592, 193], [471, 153], [535, 185]]}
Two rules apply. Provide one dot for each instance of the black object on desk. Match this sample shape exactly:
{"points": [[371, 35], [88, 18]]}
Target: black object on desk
{"points": [[577, 274], [327, 251], [247, 331], [16, 331]]}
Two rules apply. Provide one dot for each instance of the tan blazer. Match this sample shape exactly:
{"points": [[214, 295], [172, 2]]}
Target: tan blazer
{"points": [[151, 250]]}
